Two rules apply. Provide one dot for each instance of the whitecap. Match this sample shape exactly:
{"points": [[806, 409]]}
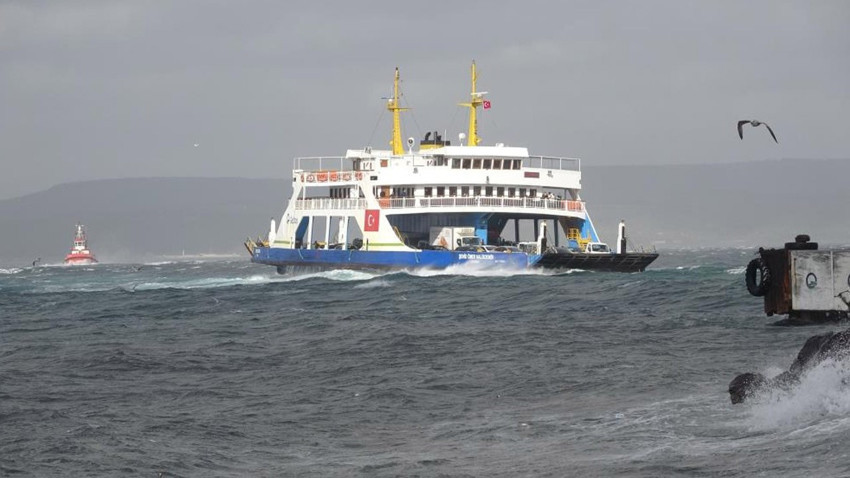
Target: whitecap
{"points": [[375, 284], [480, 269], [344, 275], [822, 396]]}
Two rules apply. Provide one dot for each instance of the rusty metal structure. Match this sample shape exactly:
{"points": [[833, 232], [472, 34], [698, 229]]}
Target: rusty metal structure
{"points": [[801, 281]]}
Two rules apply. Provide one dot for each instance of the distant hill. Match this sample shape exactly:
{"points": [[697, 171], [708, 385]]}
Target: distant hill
{"points": [[132, 220], [725, 205]]}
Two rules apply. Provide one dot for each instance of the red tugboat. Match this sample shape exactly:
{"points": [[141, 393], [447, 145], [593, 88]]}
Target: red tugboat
{"points": [[80, 254]]}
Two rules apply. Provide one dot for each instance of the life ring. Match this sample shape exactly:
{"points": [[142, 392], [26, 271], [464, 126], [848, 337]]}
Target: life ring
{"points": [[755, 268], [322, 177], [346, 176], [334, 176], [358, 175], [310, 178]]}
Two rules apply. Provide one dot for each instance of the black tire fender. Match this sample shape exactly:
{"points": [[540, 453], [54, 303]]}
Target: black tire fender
{"points": [[755, 268]]}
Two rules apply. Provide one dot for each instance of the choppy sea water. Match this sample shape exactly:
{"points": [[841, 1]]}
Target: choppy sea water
{"points": [[227, 369]]}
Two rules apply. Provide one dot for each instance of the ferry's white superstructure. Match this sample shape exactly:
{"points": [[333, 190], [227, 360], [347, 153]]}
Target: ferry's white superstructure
{"points": [[438, 205]]}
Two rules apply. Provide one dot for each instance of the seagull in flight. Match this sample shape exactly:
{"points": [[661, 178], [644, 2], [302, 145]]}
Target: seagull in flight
{"points": [[754, 123]]}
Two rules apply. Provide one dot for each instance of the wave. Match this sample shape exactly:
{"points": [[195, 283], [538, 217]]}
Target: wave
{"points": [[343, 275], [375, 284], [205, 283], [484, 270], [821, 400]]}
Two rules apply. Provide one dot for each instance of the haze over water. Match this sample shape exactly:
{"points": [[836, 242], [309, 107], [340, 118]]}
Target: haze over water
{"points": [[226, 369]]}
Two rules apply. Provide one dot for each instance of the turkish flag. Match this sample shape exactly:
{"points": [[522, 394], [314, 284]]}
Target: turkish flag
{"points": [[486, 104], [371, 221]]}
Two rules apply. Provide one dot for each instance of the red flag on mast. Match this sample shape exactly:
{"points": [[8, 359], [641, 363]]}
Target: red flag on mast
{"points": [[486, 104]]}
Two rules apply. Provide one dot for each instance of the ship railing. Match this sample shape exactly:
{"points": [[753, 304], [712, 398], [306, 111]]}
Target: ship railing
{"points": [[483, 202], [342, 163], [324, 163], [552, 162], [318, 204]]}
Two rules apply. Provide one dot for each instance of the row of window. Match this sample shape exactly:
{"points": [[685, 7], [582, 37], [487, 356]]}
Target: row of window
{"points": [[465, 191], [478, 163], [341, 193]]}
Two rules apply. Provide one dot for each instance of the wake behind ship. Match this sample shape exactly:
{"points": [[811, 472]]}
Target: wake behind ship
{"points": [[439, 206]]}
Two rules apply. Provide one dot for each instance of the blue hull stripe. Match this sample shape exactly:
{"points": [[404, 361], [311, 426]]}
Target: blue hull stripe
{"points": [[349, 259]]}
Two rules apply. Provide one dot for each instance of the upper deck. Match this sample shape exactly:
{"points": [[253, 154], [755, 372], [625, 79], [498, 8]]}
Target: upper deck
{"points": [[457, 165]]}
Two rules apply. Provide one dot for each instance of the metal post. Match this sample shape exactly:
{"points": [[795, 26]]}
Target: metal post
{"points": [[327, 231], [516, 230]]}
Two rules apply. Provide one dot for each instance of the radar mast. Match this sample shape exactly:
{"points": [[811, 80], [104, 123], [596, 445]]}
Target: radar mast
{"points": [[476, 101], [393, 106]]}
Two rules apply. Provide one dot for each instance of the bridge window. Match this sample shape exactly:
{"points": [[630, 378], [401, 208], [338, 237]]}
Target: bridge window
{"points": [[517, 164], [488, 163], [455, 163], [497, 164], [476, 164], [467, 163], [428, 191]]}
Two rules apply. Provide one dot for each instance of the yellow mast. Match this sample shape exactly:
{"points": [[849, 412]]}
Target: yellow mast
{"points": [[472, 105], [398, 148]]}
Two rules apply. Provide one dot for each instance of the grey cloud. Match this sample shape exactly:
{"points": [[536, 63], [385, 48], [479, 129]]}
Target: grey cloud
{"points": [[96, 89]]}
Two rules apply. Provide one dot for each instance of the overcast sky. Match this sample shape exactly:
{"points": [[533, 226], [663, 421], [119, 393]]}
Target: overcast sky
{"points": [[109, 89]]}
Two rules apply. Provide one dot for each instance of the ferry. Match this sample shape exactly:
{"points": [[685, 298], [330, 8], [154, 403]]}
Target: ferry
{"points": [[439, 205], [80, 253]]}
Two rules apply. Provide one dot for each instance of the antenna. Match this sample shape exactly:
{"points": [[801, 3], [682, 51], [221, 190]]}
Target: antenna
{"points": [[460, 138]]}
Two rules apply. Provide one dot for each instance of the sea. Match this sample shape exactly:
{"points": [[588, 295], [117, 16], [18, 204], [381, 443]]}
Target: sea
{"points": [[225, 368]]}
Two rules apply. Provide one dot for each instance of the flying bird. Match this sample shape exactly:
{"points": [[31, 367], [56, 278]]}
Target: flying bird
{"points": [[754, 123]]}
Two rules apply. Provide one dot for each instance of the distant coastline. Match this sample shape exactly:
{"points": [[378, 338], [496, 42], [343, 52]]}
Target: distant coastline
{"points": [[734, 205]]}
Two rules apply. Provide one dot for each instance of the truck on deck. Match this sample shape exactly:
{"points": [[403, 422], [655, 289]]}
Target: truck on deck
{"points": [[453, 237]]}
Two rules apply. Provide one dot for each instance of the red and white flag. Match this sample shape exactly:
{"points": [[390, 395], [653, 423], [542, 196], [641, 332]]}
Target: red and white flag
{"points": [[372, 220], [486, 104]]}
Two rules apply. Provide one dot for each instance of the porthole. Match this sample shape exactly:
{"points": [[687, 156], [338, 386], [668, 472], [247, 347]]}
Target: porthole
{"points": [[811, 280]]}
